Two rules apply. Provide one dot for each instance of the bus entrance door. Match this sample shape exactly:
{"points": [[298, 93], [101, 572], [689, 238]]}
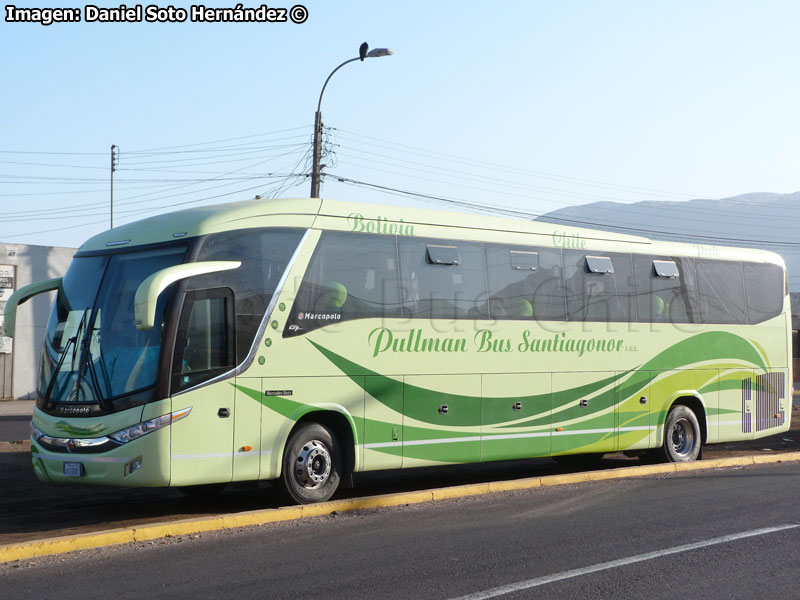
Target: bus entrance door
{"points": [[202, 444]]}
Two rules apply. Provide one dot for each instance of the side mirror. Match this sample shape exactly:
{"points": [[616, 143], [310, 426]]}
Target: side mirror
{"points": [[144, 302], [22, 295]]}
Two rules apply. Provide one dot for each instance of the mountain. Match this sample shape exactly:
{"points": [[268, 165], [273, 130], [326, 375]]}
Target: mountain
{"points": [[758, 220]]}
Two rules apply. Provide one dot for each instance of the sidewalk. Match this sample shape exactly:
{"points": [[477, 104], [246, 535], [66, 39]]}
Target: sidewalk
{"points": [[16, 408]]}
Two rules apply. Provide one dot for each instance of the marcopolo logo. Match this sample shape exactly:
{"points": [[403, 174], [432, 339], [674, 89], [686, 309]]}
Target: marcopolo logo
{"points": [[319, 316], [383, 225]]}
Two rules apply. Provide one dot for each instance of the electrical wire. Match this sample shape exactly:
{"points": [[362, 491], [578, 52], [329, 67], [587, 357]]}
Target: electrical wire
{"points": [[519, 213]]}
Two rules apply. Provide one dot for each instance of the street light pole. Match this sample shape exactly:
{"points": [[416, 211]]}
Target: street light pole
{"points": [[315, 172]]}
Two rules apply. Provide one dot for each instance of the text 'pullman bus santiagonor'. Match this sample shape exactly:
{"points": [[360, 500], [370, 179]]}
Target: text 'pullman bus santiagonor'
{"points": [[305, 340]]}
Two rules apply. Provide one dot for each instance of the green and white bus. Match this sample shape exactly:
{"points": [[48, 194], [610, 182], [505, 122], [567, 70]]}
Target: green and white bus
{"points": [[305, 340]]}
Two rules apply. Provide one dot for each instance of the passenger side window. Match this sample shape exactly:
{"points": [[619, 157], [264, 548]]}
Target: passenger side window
{"points": [[525, 283], [599, 286], [721, 291], [205, 342], [665, 289], [350, 276], [442, 279], [765, 291]]}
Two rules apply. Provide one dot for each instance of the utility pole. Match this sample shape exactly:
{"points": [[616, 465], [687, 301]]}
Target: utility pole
{"points": [[316, 168], [114, 160]]}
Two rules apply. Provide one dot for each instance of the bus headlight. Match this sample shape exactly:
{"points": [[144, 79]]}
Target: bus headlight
{"points": [[123, 436], [36, 433]]}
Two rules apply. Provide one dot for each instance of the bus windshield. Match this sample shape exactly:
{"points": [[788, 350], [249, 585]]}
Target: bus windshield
{"points": [[93, 351]]}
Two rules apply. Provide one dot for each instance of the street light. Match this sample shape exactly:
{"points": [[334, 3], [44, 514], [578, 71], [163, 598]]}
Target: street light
{"points": [[315, 172]]}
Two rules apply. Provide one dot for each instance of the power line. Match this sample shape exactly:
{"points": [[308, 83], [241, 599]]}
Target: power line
{"points": [[575, 222], [614, 211], [506, 168], [460, 176], [244, 137], [221, 140]]}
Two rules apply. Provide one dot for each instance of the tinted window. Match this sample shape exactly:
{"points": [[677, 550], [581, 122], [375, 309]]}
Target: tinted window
{"points": [[598, 296], [525, 283], [350, 276], [204, 347], [264, 254], [442, 291], [662, 297], [721, 291], [765, 291]]}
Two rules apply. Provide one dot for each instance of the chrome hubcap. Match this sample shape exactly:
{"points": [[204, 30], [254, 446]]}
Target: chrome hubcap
{"points": [[682, 437], [313, 465]]}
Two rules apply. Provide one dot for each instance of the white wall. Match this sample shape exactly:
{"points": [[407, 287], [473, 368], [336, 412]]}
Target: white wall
{"points": [[33, 263]]}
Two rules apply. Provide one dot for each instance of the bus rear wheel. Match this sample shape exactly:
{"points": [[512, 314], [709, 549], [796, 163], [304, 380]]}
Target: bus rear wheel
{"points": [[312, 464], [682, 439]]}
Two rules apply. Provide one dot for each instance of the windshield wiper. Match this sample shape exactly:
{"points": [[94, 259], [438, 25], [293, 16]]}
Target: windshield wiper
{"points": [[77, 336], [87, 364], [71, 341]]}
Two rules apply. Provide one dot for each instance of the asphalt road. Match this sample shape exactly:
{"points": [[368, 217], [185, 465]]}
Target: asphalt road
{"points": [[567, 535]]}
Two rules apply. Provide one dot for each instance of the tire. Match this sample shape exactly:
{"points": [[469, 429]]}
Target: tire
{"points": [[312, 464], [682, 440]]}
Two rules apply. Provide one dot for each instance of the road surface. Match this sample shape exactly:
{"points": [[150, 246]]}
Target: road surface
{"points": [[729, 533]]}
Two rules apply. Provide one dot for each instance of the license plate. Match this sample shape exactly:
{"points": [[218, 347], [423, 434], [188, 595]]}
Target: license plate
{"points": [[73, 469]]}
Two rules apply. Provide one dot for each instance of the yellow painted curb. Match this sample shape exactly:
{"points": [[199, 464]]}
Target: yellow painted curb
{"points": [[68, 543], [638, 471], [565, 479], [155, 531], [71, 543], [460, 491], [776, 458], [515, 484]]}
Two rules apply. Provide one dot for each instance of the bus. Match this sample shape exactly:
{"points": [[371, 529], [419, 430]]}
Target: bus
{"points": [[304, 340]]}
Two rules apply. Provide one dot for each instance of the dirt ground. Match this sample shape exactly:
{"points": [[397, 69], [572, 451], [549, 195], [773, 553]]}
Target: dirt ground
{"points": [[30, 509]]}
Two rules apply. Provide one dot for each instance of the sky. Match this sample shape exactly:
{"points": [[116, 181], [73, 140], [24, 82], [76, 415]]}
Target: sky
{"points": [[528, 106]]}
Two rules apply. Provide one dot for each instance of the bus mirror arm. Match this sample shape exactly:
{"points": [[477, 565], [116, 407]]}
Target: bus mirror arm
{"points": [[22, 295], [144, 302]]}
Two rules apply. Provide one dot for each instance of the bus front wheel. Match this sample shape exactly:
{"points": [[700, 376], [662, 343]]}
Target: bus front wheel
{"points": [[312, 464], [682, 439]]}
